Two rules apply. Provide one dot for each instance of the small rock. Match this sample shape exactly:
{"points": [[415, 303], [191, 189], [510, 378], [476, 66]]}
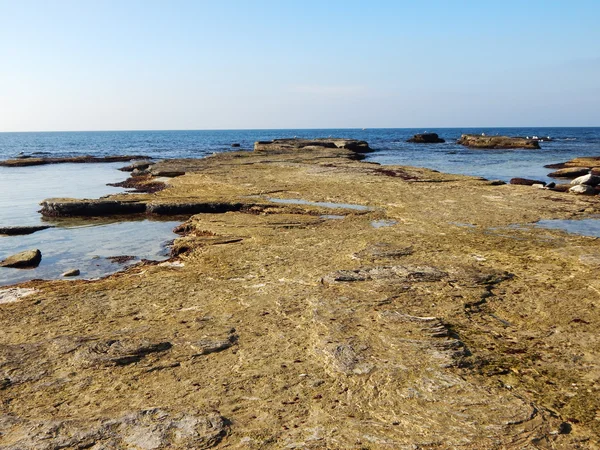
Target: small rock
{"points": [[582, 189], [526, 182], [551, 185], [20, 230], [235, 145], [27, 259], [588, 180], [497, 183], [426, 138], [561, 187], [71, 273]]}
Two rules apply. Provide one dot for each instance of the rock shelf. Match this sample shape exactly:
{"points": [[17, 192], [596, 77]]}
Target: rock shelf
{"points": [[273, 327]]}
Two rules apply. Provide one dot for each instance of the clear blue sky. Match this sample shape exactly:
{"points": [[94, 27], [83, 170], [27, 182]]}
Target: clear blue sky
{"points": [[112, 65]]}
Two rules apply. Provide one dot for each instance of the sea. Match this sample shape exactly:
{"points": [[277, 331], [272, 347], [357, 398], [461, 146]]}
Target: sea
{"points": [[91, 245]]}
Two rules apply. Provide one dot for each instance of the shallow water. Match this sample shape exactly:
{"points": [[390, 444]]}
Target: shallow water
{"points": [[585, 227], [82, 244], [87, 248]]}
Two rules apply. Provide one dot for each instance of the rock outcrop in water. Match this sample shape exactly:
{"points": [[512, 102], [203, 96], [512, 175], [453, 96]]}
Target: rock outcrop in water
{"points": [[497, 142], [23, 260], [426, 138], [19, 230], [21, 162], [290, 145]]}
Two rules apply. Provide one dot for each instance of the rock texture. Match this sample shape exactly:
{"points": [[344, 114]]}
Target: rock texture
{"points": [[23, 260], [497, 142], [526, 182], [274, 327], [570, 172], [426, 138], [287, 145]]}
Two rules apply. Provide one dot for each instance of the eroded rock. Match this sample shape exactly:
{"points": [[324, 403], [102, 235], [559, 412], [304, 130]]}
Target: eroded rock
{"points": [[114, 352], [150, 429], [570, 172], [22, 230], [279, 145], [526, 182], [391, 273], [498, 142]]}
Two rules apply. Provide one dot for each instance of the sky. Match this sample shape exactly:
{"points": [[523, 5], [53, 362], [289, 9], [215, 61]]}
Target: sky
{"points": [[141, 65]]}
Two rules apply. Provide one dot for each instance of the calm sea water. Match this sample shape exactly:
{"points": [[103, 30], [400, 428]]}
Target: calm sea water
{"points": [[72, 245], [390, 145]]}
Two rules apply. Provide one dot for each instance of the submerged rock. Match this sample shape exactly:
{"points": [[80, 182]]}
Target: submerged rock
{"points": [[482, 141], [23, 260], [426, 138], [235, 145], [21, 230]]}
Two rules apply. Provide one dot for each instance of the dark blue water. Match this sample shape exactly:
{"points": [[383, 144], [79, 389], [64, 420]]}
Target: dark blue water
{"points": [[390, 146]]}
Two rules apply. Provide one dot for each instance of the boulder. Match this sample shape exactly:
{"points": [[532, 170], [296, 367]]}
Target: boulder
{"points": [[23, 260], [570, 172], [497, 142], [21, 230], [526, 182], [582, 189], [588, 180], [71, 273], [426, 138]]}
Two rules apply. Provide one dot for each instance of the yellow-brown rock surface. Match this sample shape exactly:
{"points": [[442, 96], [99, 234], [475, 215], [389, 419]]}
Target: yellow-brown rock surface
{"points": [[277, 328]]}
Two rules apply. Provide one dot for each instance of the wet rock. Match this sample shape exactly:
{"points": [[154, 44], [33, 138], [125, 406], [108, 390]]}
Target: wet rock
{"points": [[61, 207], [72, 273], [148, 429], [137, 165], [74, 159], [551, 185], [497, 142], [235, 145], [526, 182], [279, 145], [426, 138], [22, 230], [121, 259], [192, 208], [570, 172], [118, 352], [588, 180], [23, 260], [582, 189], [497, 183]]}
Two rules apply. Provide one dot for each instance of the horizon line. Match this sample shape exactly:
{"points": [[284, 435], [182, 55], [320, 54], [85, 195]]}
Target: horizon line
{"points": [[284, 129]]}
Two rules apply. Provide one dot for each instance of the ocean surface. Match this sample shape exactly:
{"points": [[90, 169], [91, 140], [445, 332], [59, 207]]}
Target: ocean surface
{"points": [[88, 246]]}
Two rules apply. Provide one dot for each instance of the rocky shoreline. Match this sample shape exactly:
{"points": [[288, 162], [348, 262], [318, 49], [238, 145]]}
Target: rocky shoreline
{"points": [[275, 325]]}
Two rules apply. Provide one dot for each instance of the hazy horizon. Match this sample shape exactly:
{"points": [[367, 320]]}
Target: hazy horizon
{"points": [[264, 65]]}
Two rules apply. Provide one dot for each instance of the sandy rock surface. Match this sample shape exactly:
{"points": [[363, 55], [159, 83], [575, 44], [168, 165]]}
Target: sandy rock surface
{"points": [[456, 325]]}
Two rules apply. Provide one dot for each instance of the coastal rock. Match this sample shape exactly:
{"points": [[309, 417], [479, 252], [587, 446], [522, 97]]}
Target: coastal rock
{"points": [[140, 165], [11, 295], [585, 161], [497, 142], [570, 172], [588, 180], [235, 145], [149, 429], [71, 273], [22, 230], [285, 145], [426, 138], [74, 159], [560, 187], [61, 207], [526, 182], [582, 189], [26, 259]]}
